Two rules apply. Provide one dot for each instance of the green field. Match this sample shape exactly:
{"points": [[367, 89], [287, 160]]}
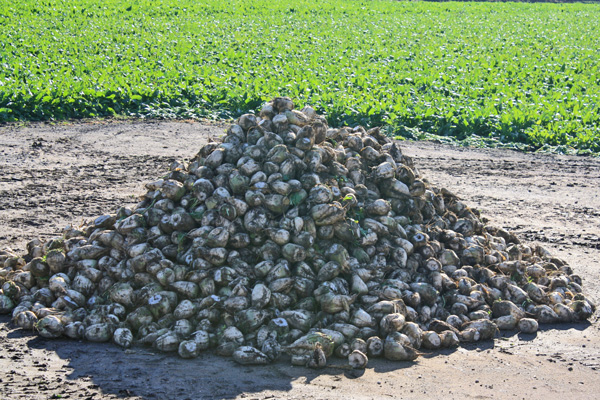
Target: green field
{"points": [[515, 72]]}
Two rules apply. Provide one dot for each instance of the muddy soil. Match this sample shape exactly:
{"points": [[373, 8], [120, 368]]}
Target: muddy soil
{"points": [[55, 175]]}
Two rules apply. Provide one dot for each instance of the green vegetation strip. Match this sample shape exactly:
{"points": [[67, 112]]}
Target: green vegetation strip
{"points": [[511, 72]]}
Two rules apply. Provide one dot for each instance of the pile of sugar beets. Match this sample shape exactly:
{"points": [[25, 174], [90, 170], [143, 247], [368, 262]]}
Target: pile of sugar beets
{"points": [[286, 236]]}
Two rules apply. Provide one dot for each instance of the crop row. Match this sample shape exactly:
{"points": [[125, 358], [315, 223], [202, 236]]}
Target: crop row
{"points": [[515, 72]]}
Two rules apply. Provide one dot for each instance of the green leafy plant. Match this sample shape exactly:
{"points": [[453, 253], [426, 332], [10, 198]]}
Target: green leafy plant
{"points": [[181, 237], [520, 75], [197, 215]]}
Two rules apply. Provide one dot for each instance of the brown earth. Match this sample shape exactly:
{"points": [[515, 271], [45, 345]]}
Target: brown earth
{"points": [[55, 175]]}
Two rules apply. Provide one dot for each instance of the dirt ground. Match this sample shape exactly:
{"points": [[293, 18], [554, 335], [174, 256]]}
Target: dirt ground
{"points": [[55, 175]]}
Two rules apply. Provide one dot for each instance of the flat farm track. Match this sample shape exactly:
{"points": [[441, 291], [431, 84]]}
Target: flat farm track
{"points": [[55, 175]]}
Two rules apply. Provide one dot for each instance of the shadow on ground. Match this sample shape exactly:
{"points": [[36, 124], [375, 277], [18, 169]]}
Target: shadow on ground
{"points": [[148, 374]]}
